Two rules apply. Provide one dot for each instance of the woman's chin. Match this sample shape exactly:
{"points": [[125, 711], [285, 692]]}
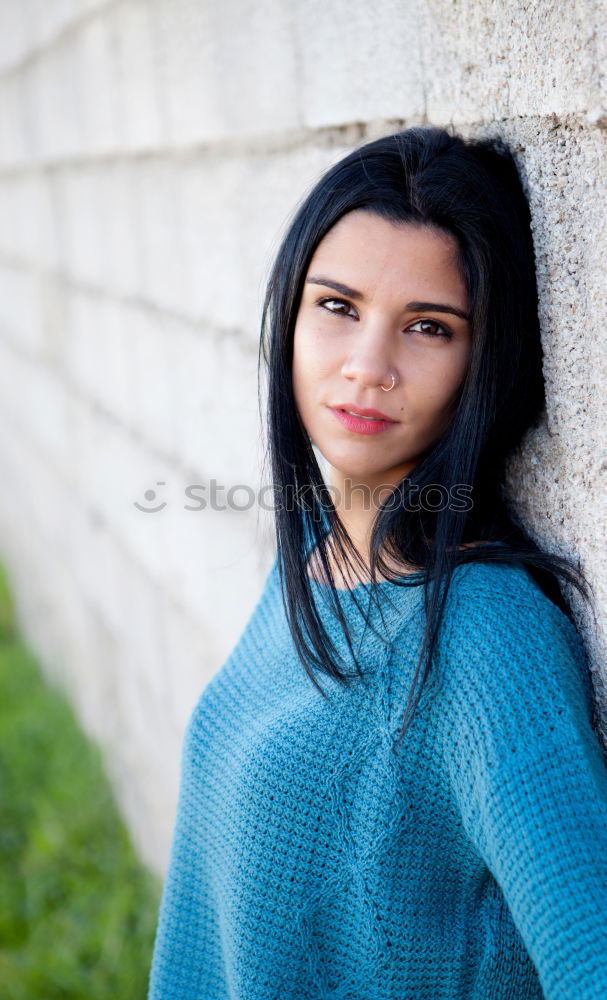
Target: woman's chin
{"points": [[374, 478]]}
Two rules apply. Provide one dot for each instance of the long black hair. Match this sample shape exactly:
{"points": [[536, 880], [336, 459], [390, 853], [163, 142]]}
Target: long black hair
{"points": [[470, 189]]}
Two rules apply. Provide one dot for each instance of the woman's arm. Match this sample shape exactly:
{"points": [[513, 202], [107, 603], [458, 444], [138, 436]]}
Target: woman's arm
{"points": [[526, 769]]}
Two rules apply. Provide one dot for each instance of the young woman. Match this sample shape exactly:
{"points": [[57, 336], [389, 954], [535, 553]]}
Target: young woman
{"points": [[393, 789]]}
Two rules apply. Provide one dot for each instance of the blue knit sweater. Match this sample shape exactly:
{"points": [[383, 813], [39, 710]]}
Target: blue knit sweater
{"points": [[312, 862]]}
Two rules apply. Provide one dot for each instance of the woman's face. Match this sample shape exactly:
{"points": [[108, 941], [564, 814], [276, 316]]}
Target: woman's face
{"points": [[380, 299]]}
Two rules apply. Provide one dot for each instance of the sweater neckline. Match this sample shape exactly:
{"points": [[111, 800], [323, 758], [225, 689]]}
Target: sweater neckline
{"points": [[367, 585], [417, 576], [324, 588]]}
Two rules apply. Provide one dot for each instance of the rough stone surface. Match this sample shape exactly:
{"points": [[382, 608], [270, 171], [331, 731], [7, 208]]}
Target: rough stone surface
{"points": [[151, 154]]}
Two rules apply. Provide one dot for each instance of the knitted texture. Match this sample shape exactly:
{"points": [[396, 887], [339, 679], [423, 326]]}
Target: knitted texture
{"points": [[311, 861]]}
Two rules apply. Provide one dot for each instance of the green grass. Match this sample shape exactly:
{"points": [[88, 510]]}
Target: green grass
{"points": [[77, 908]]}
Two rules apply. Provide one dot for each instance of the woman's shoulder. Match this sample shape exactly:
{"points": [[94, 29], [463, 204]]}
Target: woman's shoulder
{"points": [[513, 680], [491, 578], [499, 623], [496, 613], [497, 581]]}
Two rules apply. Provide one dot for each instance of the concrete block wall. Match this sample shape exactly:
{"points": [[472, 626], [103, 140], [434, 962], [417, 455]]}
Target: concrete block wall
{"points": [[151, 152]]}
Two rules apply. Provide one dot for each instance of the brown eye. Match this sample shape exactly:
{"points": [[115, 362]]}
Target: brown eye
{"points": [[337, 306], [430, 328]]}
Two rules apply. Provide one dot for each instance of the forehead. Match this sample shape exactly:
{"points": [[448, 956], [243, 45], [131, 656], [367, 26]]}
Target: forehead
{"points": [[364, 248]]}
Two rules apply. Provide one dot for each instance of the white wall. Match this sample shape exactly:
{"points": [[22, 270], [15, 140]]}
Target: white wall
{"points": [[151, 152]]}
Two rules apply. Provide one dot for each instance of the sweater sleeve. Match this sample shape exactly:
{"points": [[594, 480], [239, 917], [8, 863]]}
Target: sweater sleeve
{"points": [[526, 769]]}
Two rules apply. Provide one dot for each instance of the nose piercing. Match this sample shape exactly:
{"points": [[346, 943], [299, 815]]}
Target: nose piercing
{"points": [[390, 386]]}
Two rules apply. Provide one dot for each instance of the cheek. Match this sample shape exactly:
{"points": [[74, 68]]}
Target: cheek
{"points": [[302, 376], [440, 384], [460, 369], [311, 358], [298, 365]]}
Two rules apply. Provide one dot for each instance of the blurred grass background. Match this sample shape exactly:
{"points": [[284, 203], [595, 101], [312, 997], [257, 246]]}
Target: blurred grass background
{"points": [[77, 909]]}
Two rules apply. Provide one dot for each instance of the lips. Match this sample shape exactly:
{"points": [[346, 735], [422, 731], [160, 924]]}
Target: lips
{"points": [[360, 421], [358, 411]]}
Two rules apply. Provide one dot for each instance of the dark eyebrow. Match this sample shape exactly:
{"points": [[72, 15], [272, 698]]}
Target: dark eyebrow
{"points": [[351, 293], [336, 286], [437, 308]]}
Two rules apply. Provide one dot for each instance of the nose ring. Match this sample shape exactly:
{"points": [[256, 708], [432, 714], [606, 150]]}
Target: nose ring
{"points": [[390, 386]]}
